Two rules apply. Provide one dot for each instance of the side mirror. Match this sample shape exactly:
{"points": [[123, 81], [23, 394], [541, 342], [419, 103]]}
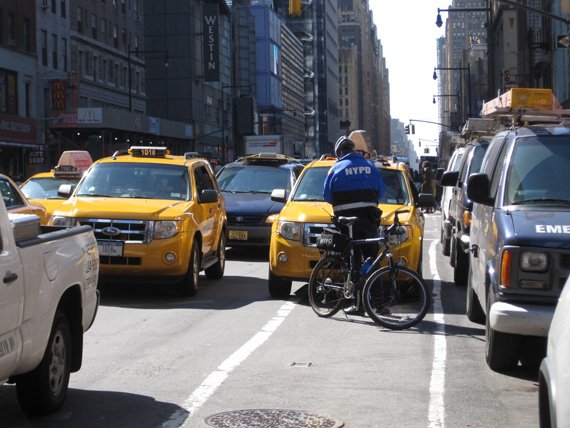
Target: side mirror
{"points": [[449, 178], [425, 200], [208, 196], [279, 195], [478, 186], [65, 191]]}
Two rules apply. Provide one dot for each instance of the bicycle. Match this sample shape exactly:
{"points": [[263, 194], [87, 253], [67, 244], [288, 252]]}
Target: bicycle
{"points": [[394, 296]]}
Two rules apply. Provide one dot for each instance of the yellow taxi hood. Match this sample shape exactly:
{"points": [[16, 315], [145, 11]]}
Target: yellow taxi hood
{"points": [[389, 210], [135, 209], [307, 212]]}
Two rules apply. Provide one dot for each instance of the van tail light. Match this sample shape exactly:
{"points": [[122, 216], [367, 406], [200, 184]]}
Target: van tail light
{"points": [[506, 269]]}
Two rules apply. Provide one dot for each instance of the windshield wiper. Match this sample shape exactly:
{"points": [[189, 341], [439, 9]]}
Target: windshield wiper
{"points": [[542, 200]]}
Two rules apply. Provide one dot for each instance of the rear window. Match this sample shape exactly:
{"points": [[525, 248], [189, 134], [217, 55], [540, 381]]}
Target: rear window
{"points": [[46, 187], [539, 171]]}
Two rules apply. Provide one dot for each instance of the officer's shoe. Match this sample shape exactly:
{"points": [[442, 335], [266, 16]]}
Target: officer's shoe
{"points": [[354, 310]]}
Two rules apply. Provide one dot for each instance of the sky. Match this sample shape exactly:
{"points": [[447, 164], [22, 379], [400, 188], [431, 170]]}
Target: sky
{"points": [[408, 34]]}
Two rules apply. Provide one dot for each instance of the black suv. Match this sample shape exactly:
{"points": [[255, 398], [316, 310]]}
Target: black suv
{"points": [[461, 206], [520, 246], [247, 184]]}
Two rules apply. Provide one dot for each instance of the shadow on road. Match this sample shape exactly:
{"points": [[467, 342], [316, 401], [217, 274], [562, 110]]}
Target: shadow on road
{"points": [[91, 409]]}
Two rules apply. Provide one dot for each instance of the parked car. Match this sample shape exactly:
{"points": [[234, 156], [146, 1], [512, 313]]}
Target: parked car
{"points": [[293, 252], [247, 184], [553, 378], [17, 203], [461, 206], [446, 202], [520, 250]]}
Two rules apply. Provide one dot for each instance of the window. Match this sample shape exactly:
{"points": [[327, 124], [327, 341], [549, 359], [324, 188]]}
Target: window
{"points": [[54, 51], [94, 26], [95, 62], [79, 20], [203, 180], [64, 54], [11, 27], [123, 7], [103, 31], [27, 38], [9, 102], [53, 6], [1, 26], [44, 48], [62, 7], [116, 36]]}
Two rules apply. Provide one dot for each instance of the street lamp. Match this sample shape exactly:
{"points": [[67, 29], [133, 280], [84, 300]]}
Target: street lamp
{"points": [[468, 68], [136, 51]]}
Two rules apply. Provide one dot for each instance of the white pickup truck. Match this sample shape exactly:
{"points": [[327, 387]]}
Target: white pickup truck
{"points": [[48, 299]]}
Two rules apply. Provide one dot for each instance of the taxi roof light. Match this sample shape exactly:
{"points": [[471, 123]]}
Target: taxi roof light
{"points": [[148, 152]]}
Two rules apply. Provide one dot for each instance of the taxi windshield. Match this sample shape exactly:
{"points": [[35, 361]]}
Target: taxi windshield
{"points": [[310, 187], [46, 187], [254, 179], [136, 180], [539, 171]]}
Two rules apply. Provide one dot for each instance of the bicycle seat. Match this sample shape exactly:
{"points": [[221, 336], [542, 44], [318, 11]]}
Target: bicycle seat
{"points": [[348, 221]]}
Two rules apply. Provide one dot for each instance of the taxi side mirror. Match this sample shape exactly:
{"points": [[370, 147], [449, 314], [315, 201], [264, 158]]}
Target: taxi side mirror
{"points": [[208, 196], [279, 195], [65, 191]]}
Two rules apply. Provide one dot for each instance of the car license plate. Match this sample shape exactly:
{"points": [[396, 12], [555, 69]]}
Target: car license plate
{"points": [[238, 235], [109, 248]]}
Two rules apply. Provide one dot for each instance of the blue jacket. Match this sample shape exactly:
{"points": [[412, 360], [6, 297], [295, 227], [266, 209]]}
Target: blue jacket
{"points": [[353, 182]]}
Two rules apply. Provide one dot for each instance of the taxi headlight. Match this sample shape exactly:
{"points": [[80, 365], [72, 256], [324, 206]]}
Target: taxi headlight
{"points": [[401, 235], [167, 229], [289, 230], [59, 220], [271, 218], [534, 262]]}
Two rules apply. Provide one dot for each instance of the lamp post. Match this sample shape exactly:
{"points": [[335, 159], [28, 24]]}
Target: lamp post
{"points": [[136, 51], [468, 68]]}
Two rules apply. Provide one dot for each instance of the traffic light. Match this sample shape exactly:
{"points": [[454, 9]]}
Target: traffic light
{"points": [[407, 129], [413, 129]]}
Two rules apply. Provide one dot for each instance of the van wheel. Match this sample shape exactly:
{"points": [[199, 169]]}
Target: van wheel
{"points": [[461, 265], [501, 349], [473, 309], [216, 271], [452, 250], [445, 244], [278, 288], [189, 285], [43, 390]]}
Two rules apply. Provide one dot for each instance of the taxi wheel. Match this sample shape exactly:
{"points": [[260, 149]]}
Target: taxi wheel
{"points": [[216, 271], [189, 285], [278, 288]]}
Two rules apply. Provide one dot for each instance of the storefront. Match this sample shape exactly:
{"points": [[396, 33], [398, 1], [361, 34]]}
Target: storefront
{"points": [[20, 152]]}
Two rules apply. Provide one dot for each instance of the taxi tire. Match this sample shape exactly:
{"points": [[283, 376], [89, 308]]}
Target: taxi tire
{"points": [[188, 287], [216, 271], [43, 390], [278, 288]]}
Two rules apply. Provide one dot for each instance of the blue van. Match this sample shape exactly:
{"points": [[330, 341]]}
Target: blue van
{"points": [[519, 241]]}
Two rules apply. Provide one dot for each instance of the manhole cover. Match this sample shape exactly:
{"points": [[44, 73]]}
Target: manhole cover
{"points": [[271, 419]]}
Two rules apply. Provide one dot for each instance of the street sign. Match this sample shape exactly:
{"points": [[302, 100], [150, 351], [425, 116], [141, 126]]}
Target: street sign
{"points": [[562, 41]]}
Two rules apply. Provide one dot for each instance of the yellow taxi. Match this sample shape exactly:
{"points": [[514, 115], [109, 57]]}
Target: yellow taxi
{"points": [[43, 187], [293, 252], [156, 217], [17, 203]]}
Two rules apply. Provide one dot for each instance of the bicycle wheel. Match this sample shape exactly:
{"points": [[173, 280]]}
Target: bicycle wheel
{"points": [[326, 286], [396, 300]]}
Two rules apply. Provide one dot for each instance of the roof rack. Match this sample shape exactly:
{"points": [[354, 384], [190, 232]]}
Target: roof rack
{"points": [[526, 104], [476, 128]]}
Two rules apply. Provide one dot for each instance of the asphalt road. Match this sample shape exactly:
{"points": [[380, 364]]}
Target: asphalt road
{"points": [[233, 357]]}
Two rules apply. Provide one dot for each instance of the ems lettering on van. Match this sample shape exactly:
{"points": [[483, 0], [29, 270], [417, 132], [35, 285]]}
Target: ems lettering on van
{"points": [[357, 170], [552, 228]]}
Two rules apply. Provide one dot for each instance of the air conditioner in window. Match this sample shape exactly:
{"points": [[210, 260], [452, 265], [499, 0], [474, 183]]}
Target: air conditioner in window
{"points": [[12, 42], [45, 4]]}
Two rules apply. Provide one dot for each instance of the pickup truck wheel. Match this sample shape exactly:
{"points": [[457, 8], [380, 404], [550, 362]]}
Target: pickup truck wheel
{"points": [[461, 265], [473, 309], [189, 285], [216, 271], [501, 349], [43, 390], [278, 288]]}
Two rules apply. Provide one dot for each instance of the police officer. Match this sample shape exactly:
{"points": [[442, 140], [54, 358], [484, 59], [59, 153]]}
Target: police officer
{"points": [[353, 187]]}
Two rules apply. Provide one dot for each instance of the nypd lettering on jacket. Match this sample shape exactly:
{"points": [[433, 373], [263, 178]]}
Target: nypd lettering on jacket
{"points": [[358, 170], [552, 228]]}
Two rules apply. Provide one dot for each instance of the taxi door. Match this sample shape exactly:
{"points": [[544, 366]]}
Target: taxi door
{"points": [[209, 224]]}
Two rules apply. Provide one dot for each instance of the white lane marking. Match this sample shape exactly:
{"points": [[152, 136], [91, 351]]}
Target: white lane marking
{"points": [[437, 383], [217, 377]]}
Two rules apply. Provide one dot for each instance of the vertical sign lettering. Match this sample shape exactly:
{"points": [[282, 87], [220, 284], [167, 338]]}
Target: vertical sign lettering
{"points": [[211, 43]]}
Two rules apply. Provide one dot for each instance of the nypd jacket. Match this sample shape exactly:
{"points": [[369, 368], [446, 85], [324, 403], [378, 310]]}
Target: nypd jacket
{"points": [[353, 182]]}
